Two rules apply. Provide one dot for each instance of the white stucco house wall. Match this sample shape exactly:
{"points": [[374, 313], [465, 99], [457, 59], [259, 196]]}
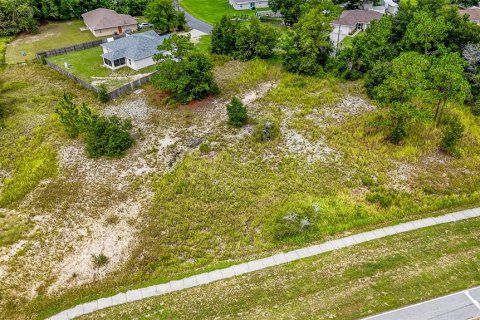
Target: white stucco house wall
{"points": [[248, 4], [135, 51]]}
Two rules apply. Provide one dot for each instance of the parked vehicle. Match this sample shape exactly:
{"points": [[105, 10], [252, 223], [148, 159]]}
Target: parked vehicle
{"points": [[145, 25]]}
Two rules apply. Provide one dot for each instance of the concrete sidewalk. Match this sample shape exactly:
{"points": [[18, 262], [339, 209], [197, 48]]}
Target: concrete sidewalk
{"points": [[463, 305], [275, 260]]}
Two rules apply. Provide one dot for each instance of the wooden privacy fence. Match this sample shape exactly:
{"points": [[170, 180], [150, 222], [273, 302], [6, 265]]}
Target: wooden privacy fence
{"points": [[71, 76], [76, 47], [130, 86], [83, 46]]}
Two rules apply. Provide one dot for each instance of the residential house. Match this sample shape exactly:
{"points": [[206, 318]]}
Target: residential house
{"points": [[248, 4], [351, 22], [382, 6], [104, 22], [473, 14], [135, 51]]}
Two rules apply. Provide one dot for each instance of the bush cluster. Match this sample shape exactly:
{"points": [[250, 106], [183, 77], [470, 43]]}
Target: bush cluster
{"points": [[237, 113], [453, 131], [243, 41], [299, 221], [266, 130], [104, 136]]}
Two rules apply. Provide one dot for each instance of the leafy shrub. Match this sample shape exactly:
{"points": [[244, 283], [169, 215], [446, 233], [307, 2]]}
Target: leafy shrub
{"points": [[103, 94], [266, 130], [453, 131], [368, 181], [108, 137], [204, 148], [104, 136], [476, 109], [188, 79], [376, 76], [296, 222], [75, 119], [398, 133], [384, 198], [237, 113]]}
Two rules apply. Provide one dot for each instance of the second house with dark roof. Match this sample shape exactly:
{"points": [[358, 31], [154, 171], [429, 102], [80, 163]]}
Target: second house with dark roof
{"points": [[135, 51]]}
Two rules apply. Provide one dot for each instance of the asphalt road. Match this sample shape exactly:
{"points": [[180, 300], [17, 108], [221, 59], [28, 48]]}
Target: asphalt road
{"points": [[195, 23], [463, 305]]}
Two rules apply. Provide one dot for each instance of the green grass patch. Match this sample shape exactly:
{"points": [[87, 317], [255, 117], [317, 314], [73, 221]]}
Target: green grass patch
{"points": [[35, 166], [88, 65], [348, 284], [3, 49], [50, 36], [212, 11], [204, 44]]}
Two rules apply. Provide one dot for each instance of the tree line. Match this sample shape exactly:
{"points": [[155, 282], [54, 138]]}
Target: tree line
{"points": [[414, 64], [24, 15]]}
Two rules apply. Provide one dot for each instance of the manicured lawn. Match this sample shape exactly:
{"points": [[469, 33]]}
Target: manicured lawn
{"points": [[348, 284], [87, 65], [52, 35], [211, 11]]}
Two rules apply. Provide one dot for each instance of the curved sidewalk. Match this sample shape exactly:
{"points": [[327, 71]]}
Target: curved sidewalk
{"points": [[251, 266]]}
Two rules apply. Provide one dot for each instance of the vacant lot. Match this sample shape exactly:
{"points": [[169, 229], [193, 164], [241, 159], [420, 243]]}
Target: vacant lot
{"points": [[88, 65], [52, 35], [347, 284], [168, 210]]}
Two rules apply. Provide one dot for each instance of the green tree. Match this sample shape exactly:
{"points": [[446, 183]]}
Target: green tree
{"points": [[16, 16], [447, 81], [255, 40], [186, 74], [407, 79], [223, 36], [176, 47], [291, 10], [104, 136], [308, 46], [76, 119], [426, 32], [237, 113], [369, 48], [163, 15]]}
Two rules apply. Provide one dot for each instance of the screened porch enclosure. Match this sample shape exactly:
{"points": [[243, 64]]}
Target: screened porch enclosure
{"points": [[117, 63]]}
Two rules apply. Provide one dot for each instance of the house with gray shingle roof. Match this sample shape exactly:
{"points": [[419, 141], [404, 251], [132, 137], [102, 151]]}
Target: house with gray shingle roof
{"points": [[105, 22], [135, 51]]}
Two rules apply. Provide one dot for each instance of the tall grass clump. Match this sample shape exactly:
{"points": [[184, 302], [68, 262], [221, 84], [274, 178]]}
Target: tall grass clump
{"points": [[30, 170]]}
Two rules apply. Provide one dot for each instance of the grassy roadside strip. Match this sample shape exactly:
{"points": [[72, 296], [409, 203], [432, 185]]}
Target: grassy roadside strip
{"points": [[347, 284]]}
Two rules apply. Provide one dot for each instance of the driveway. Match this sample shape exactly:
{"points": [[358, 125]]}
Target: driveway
{"points": [[193, 22], [463, 305]]}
